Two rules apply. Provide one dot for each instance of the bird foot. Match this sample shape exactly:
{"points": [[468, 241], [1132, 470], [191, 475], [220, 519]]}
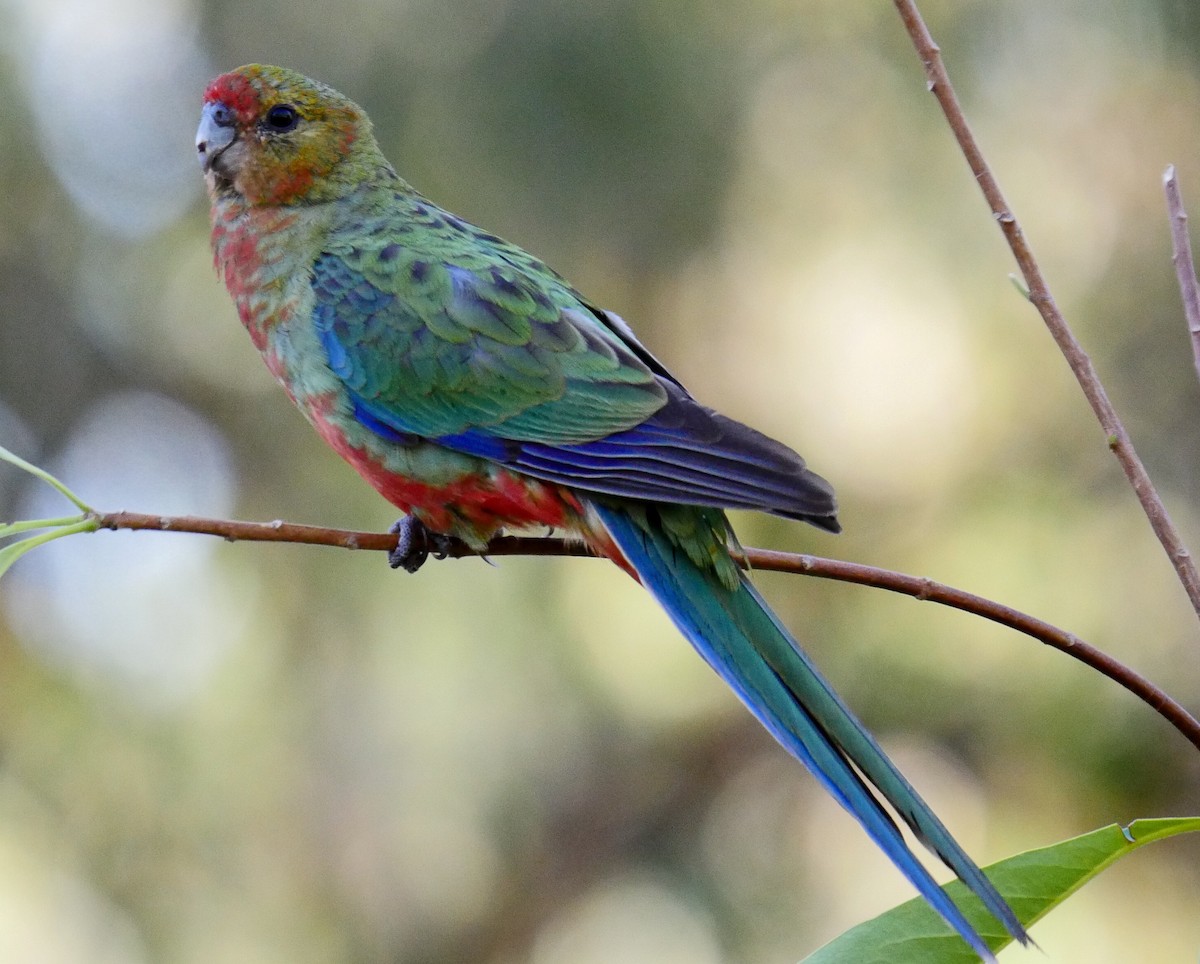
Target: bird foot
{"points": [[415, 544]]}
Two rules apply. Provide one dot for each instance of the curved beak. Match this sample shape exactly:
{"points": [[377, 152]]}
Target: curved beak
{"points": [[216, 132]]}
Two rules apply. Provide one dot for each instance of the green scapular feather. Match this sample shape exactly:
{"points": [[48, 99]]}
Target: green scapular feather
{"points": [[493, 337]]}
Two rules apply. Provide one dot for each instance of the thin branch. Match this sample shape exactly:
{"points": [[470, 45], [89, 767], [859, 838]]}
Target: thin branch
{"points": [[1185, 267], [805, 565], [1039, 294]]}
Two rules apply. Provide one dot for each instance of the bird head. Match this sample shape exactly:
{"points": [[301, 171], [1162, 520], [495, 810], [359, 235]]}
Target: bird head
{"points": [[271, 136]]}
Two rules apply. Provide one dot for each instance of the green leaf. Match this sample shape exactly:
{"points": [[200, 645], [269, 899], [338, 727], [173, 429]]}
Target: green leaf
{"points": [[59, 527], [1033, 883], [14, 551], [45, 476], [10, 554], [28, 525]]}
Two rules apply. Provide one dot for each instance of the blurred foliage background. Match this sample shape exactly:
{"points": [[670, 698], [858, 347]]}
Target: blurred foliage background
{"points": [[240, 753]]}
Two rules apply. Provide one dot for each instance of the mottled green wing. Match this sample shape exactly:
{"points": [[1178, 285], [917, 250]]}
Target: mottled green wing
{"points": [[442, 332], [438, 329]]}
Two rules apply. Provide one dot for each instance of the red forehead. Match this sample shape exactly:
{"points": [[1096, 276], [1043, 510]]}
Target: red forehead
{"points": [[236, 92]]}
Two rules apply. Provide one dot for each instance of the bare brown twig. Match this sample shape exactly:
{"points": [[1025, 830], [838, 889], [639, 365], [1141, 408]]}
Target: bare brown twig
{"points": [[1039, 294], [805, 565], [1185, 267]]}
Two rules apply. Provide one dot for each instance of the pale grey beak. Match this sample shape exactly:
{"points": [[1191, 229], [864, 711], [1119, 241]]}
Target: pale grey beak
{"points": [[216, 132]]}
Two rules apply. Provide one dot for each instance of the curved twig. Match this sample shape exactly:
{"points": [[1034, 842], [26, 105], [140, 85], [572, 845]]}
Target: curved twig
{"points": [[1039, 294], [805, 565]]}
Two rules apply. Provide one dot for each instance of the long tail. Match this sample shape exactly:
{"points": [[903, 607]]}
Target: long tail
{"points": [[739, 636]]}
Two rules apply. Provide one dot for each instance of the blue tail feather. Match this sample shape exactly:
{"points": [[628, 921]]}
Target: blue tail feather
{"points": [[745, 643]]}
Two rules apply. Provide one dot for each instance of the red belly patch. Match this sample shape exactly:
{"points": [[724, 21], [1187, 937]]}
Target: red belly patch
{"points": [[484, 501]]}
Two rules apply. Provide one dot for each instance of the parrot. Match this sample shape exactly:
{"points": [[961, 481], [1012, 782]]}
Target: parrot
{"points": [[477, 391]]}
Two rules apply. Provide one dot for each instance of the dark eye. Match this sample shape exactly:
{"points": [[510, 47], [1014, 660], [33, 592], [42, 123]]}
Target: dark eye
{"points": [[282, 117]]}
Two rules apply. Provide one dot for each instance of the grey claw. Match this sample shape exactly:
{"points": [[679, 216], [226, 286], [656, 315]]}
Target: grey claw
{"points": [[415, 543]]}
